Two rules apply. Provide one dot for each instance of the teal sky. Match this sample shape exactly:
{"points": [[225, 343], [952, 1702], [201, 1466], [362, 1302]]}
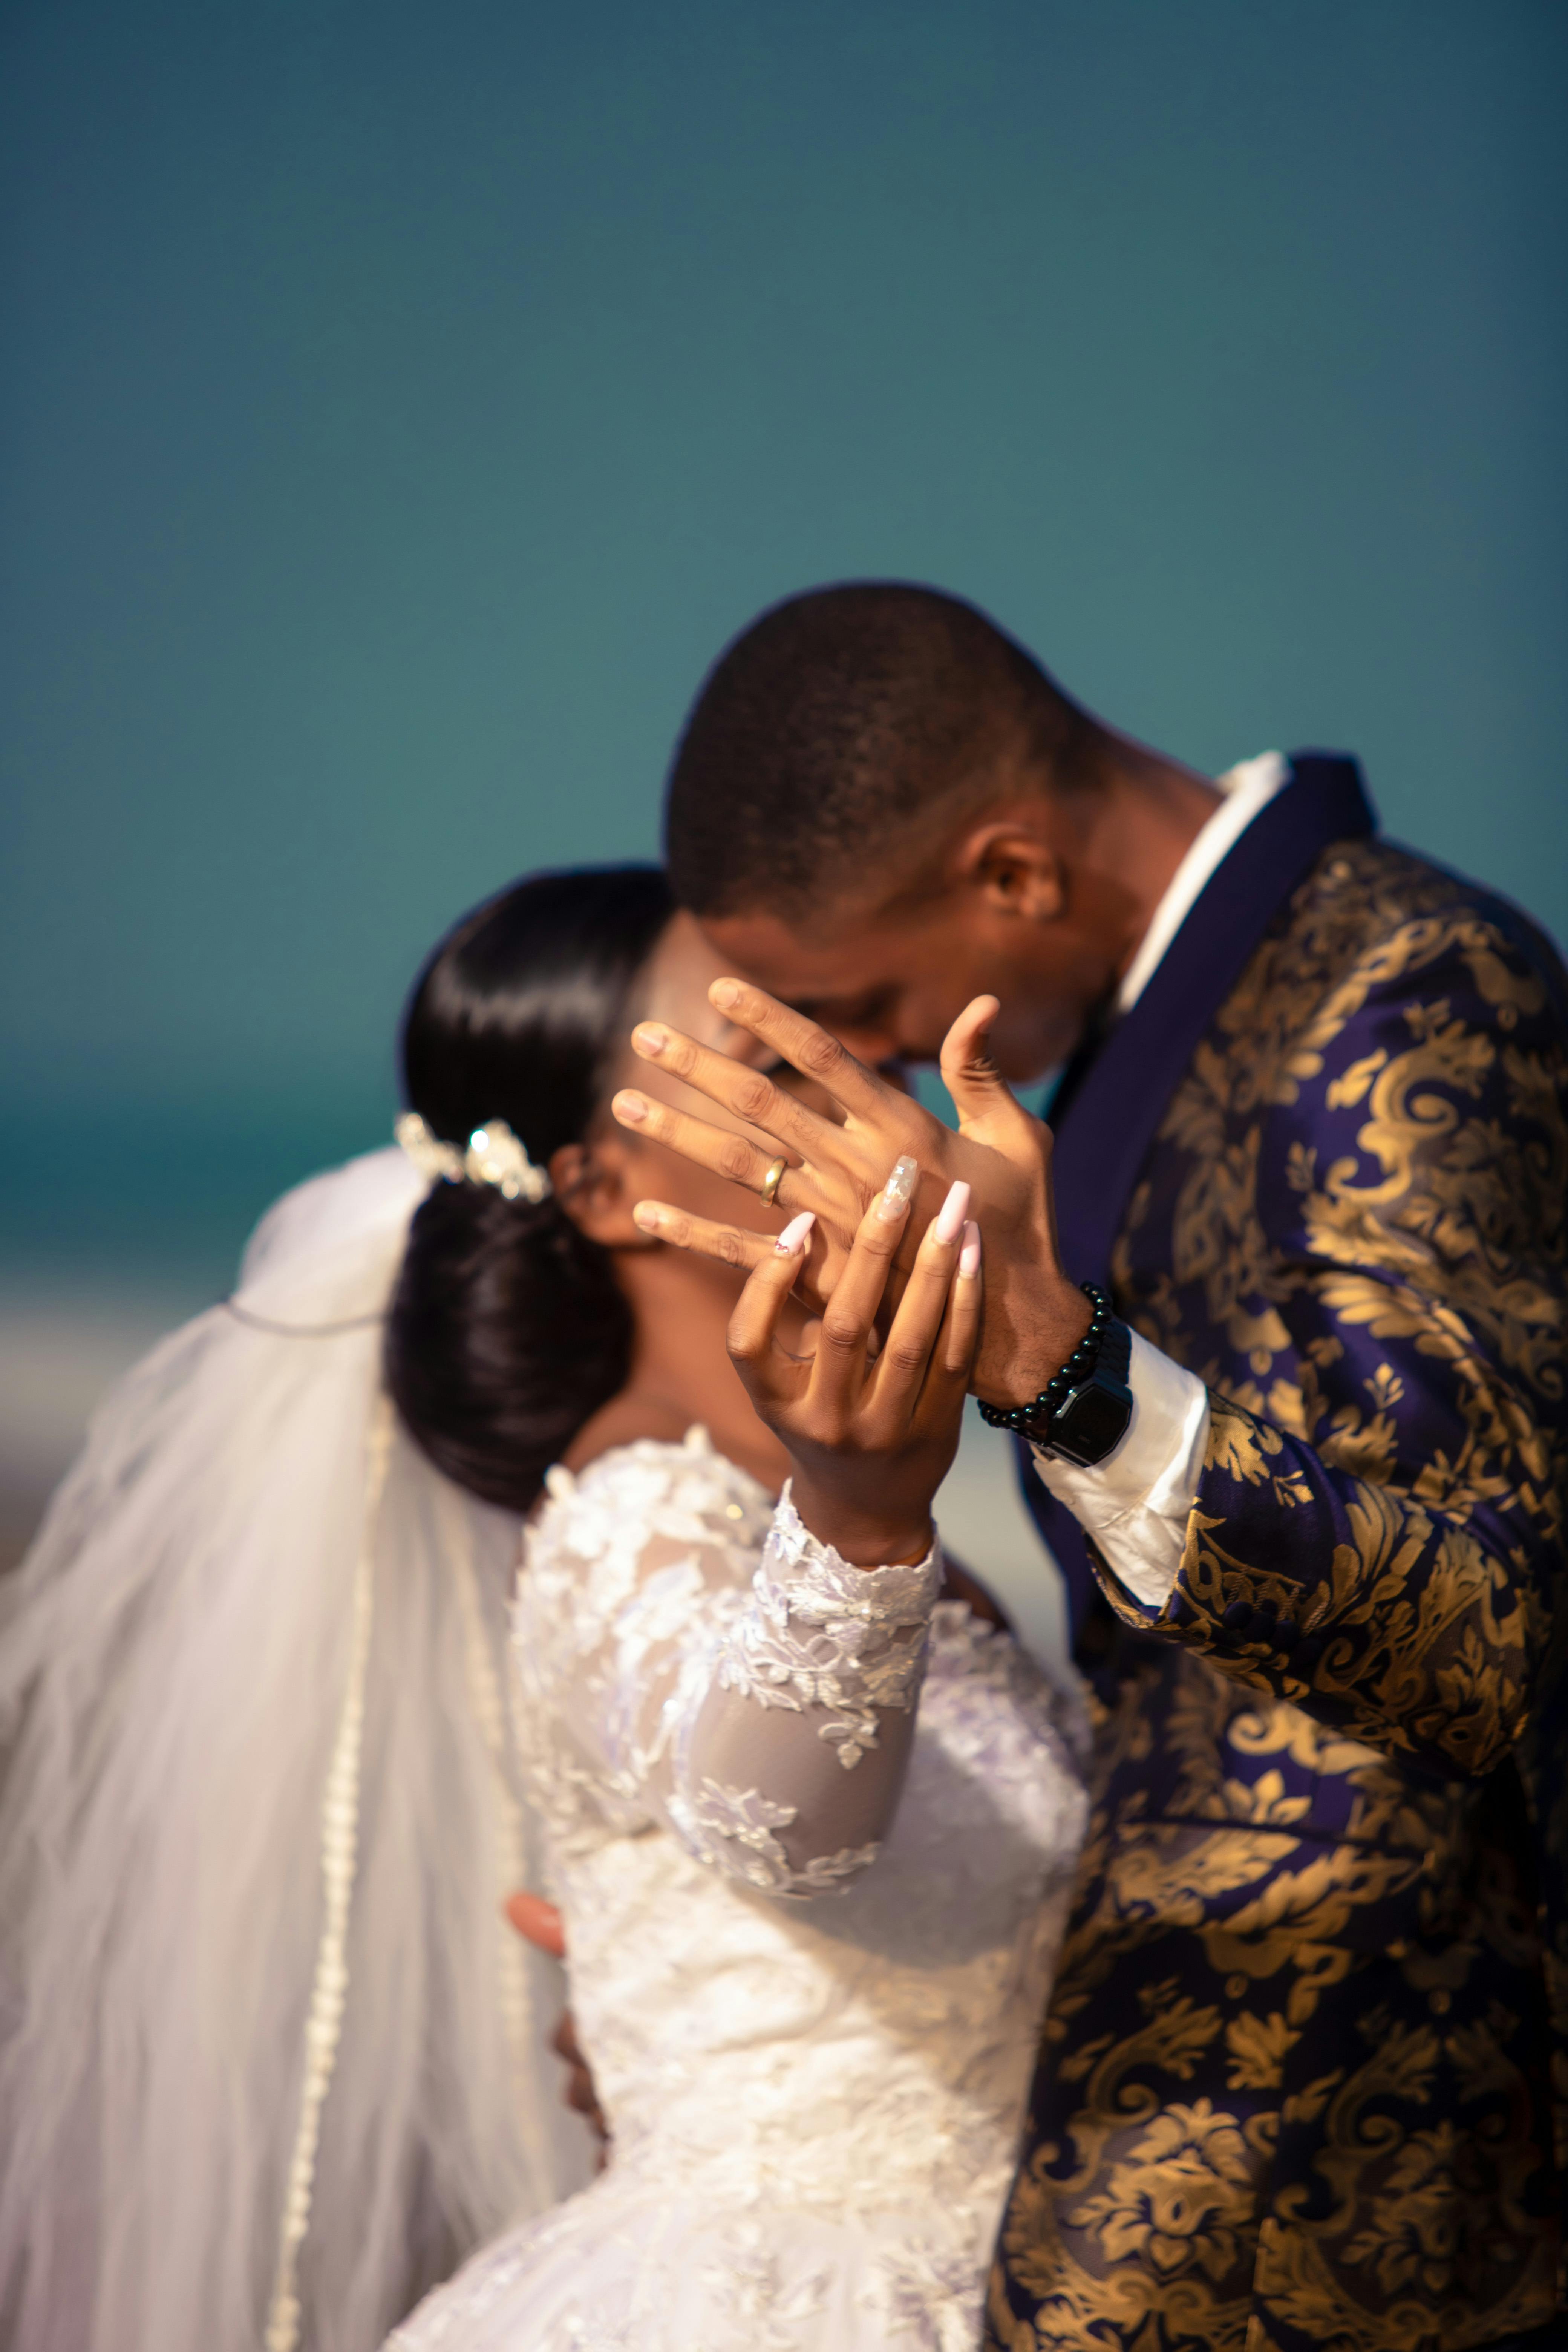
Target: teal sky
{"points": [[402, 404]]}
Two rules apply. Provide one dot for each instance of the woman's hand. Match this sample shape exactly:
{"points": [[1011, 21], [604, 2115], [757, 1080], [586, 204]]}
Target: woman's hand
{"points": [[1034, 1316], [871, 1434]]}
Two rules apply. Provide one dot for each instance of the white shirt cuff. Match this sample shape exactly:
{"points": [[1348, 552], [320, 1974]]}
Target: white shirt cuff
{"points": [[1137, 1502]]}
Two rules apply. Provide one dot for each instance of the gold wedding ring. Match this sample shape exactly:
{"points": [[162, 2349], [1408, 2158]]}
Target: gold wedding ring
{"points": [[772, 1182]]}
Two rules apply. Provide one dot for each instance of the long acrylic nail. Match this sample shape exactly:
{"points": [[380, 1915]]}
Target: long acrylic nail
{"points": [[630, 1109], [969, 1255], [952, 1214], [792, 1241], [648, 1038], [893, 1201]]}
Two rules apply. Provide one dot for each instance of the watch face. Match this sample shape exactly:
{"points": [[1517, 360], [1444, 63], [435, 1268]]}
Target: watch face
{"points": [[1093, 1420]]}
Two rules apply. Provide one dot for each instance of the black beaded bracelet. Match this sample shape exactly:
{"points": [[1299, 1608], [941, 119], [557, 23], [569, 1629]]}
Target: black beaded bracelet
{"points": [[1059, 1387]]}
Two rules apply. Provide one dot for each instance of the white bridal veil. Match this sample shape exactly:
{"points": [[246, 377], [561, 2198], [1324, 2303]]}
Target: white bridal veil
{"points": [[270, 2060]]}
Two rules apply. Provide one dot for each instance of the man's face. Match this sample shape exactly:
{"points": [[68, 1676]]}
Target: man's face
{"points": [[889, 982]]}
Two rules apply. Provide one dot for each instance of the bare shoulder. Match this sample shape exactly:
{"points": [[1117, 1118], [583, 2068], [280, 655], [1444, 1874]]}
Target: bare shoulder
{"points": [[622, 1421]]}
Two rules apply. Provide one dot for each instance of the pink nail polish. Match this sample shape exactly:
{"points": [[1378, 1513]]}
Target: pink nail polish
{"points": [[792, 1241], [952, 1212], [969, 1255], [900, 1189]]}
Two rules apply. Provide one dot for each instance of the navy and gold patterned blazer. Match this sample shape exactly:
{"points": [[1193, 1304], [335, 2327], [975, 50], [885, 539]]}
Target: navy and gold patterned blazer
{"points": [[1303, 2082]]}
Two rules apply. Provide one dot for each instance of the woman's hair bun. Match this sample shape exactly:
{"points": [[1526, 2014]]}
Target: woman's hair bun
{"points": [[507, 1329]]}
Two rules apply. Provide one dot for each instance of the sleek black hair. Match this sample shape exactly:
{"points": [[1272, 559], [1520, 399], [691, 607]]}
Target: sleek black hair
{"points": [[833, 724], [507, 1329]]}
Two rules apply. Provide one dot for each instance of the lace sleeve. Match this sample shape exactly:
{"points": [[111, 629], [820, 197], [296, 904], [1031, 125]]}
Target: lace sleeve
{"points": [[707, 1665]]}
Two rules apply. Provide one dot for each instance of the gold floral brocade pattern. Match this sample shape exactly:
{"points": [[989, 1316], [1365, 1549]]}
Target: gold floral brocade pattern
{"points": [[1295, 2089]]}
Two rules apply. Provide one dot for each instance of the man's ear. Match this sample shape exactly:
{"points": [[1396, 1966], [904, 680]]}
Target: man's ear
{"points": [[595, 1186], [1016, 867]]}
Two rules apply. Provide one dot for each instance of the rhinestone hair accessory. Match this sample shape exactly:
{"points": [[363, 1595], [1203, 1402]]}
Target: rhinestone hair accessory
{"points": [[494, 1156]]}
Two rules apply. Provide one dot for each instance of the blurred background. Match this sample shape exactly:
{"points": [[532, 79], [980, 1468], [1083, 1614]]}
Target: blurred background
{"points": [[402, 404]]}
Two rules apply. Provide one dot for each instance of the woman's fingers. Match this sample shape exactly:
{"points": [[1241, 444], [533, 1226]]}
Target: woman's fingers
{"points": [[908, 1353], [752, 1340], [961, 1331], [849, 1316]]}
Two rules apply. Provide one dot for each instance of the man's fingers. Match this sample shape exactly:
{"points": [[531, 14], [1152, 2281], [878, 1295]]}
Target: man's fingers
{"points": [[752, 1336], [719, 1148], [580, 2095], [747, 1092], [804, 1047], [537, 1921], [978, 1088], [731, 1245]]}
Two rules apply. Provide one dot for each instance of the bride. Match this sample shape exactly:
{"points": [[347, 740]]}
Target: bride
{"points": [[270, 2064], [811, 1824]]}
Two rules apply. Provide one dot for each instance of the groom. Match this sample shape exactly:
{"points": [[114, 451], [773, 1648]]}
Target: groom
{"points": [[1303, 2075]]}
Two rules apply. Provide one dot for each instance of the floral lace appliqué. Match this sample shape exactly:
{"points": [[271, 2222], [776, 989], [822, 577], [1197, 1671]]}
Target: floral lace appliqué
{"points": [[821, 1634], [815, 2103], [748, 1820], [669, 1625]]}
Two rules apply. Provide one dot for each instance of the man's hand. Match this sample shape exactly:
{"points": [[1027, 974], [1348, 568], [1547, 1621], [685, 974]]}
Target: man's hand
{"points": [[538, 1924], [1034, 1314]]}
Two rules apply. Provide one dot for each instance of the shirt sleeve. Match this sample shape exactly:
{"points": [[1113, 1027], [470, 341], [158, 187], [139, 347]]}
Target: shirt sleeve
{"points": [[1135, 1504], [762, 1709]]}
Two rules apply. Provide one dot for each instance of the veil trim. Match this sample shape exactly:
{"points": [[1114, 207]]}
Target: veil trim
{"points": [[340, 1831], [267, 1323], [256, 1666], [494, 1716]]}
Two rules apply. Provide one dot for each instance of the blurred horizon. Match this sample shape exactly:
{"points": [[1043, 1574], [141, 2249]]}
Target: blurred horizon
{"points": [[402, 409]]}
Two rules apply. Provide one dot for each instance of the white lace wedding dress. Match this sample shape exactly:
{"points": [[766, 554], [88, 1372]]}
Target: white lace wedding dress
{"points": [[810, 2003]]}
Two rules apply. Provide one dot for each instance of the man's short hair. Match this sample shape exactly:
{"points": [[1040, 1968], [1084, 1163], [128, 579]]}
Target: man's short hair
{"points": [[831, 730]]}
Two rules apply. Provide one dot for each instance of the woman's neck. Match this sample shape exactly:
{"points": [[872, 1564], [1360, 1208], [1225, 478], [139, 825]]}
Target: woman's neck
{"points": [[681, 1371]]}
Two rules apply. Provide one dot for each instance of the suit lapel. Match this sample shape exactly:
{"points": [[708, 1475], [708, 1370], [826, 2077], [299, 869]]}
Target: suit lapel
{"points": [[1108, 1110], [1115, 1109]]}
